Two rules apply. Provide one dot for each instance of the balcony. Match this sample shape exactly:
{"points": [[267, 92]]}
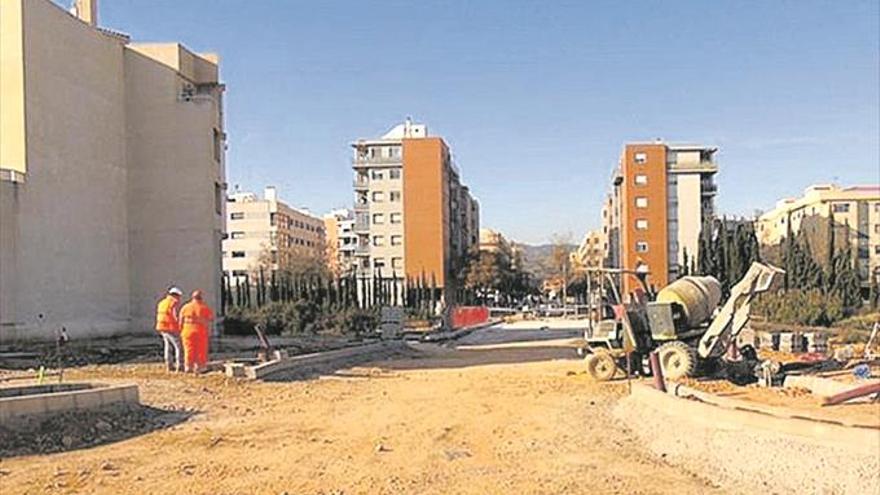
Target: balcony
{"points": [[708, 189], [361, 207], [361, 183], [362, 226], [362, 250], [367, 161]]}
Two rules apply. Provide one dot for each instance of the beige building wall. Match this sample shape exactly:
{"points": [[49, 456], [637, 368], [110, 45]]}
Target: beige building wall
{"points": [[856, 206], [12, 124], [386, 235], [590, 253], [117, 201], [266, 231], [176, 148]]}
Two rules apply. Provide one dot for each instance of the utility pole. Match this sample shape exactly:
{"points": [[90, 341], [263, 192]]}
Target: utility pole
{"points": [[564, 289]]}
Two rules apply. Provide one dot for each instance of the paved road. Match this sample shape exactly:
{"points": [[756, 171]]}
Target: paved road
{"points": [[524, 331]]}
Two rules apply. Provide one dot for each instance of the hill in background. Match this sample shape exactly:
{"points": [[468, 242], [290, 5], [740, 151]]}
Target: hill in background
{"points": [[537, 259]]}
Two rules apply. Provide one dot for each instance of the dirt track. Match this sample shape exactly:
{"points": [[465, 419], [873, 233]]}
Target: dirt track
{"points": [[504, 419]]}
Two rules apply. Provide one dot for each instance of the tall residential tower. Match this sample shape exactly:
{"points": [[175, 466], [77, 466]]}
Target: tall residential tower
{"points": [[413, 216], [660, 198]]}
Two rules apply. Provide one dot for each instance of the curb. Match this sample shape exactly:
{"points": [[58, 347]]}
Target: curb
{"points": [[731, 414], [447, 335], [307, 361], [63, 398]]}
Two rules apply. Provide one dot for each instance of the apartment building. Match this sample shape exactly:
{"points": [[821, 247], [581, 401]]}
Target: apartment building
{"points": [[341, 241], [413, 215], [660, 197], [112, 173], [856, 213], [611, 225], [493, 241], [590, 253], [266, 232]]}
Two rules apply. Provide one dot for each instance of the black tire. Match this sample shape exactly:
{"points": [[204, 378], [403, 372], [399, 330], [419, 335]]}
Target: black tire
{"points": [[601, 366], [677, 360]]}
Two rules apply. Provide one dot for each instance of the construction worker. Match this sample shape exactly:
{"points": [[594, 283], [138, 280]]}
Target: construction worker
{"points": [[168, 326], [195, 317]]}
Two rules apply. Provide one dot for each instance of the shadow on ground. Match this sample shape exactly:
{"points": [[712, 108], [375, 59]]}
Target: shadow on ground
{"points": [[85, 429]]}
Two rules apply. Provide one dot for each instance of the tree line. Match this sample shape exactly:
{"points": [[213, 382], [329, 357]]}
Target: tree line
{"points": [[815, 289]]}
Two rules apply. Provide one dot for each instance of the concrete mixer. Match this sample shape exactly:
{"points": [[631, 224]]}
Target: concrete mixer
{"points": [[684, 324]]}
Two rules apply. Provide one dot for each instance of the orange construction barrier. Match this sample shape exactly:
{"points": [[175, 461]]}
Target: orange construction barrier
{"points": [[467, 316]]}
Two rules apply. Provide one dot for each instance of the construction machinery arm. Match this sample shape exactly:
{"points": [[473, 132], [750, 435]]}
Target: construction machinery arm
{"points": [[735, 313]]}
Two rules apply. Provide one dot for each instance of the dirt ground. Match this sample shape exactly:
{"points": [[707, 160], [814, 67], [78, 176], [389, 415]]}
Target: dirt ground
{"points": [[488, 417]]}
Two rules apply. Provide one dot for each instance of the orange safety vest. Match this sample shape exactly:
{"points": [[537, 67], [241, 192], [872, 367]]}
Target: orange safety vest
{"points": [[166, 315], [196, 315]]}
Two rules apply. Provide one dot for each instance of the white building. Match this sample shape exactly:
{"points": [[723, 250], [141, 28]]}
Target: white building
{"points": [[341, 241], [267, 232]]}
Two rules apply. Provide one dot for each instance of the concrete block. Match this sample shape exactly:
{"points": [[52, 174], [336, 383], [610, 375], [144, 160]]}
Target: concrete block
{"points": [[112, 395], [132, 394], [87, 399], [26, 406], [59, 402]]}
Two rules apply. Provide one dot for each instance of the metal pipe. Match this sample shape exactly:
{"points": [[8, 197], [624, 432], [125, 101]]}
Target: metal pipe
{"points": [[873, 388], [657, 371]]}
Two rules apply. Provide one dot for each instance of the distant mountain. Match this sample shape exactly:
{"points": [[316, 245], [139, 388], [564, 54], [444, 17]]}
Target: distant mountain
{"points": [[537, 258]]}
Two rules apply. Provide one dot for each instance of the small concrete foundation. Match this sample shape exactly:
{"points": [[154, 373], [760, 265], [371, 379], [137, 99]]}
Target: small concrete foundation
{"points": [[18, 404]]}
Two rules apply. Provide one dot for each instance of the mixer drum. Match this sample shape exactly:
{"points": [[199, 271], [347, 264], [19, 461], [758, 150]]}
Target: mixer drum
{"points": [[698, 297]]}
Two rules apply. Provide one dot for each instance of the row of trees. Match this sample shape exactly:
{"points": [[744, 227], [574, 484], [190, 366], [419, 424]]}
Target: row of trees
{"points": [[487, 274], [821, 282], [726, 251]]}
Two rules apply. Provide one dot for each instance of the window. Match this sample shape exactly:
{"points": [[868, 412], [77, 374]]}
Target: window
{"points": [[377, 175], [394, 196], [641, 179], [640, 158], [378, 219], [877, 249], [378, 240], [394, 152], [396, 240], [641, 247], [641, 202], [379, 263], [218, 145], [840, 208], [641, 224], [218, 198], [378, 196], [237, 235], [238, 254], [239, 215], [394, 173], [395, 217], [396, 262]]}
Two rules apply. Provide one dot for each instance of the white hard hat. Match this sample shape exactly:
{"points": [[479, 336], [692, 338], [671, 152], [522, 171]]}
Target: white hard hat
{"points": [[175, 291]]}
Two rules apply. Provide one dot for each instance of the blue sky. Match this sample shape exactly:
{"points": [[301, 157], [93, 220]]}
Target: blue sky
{"points": [[537, 98]]}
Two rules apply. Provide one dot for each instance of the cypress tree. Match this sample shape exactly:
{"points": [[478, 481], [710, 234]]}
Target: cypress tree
{"points": [[831, 276]]}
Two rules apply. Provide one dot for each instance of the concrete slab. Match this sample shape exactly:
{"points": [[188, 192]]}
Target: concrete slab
{"points": [[307, 361], [23, 403], [729, 413]]}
